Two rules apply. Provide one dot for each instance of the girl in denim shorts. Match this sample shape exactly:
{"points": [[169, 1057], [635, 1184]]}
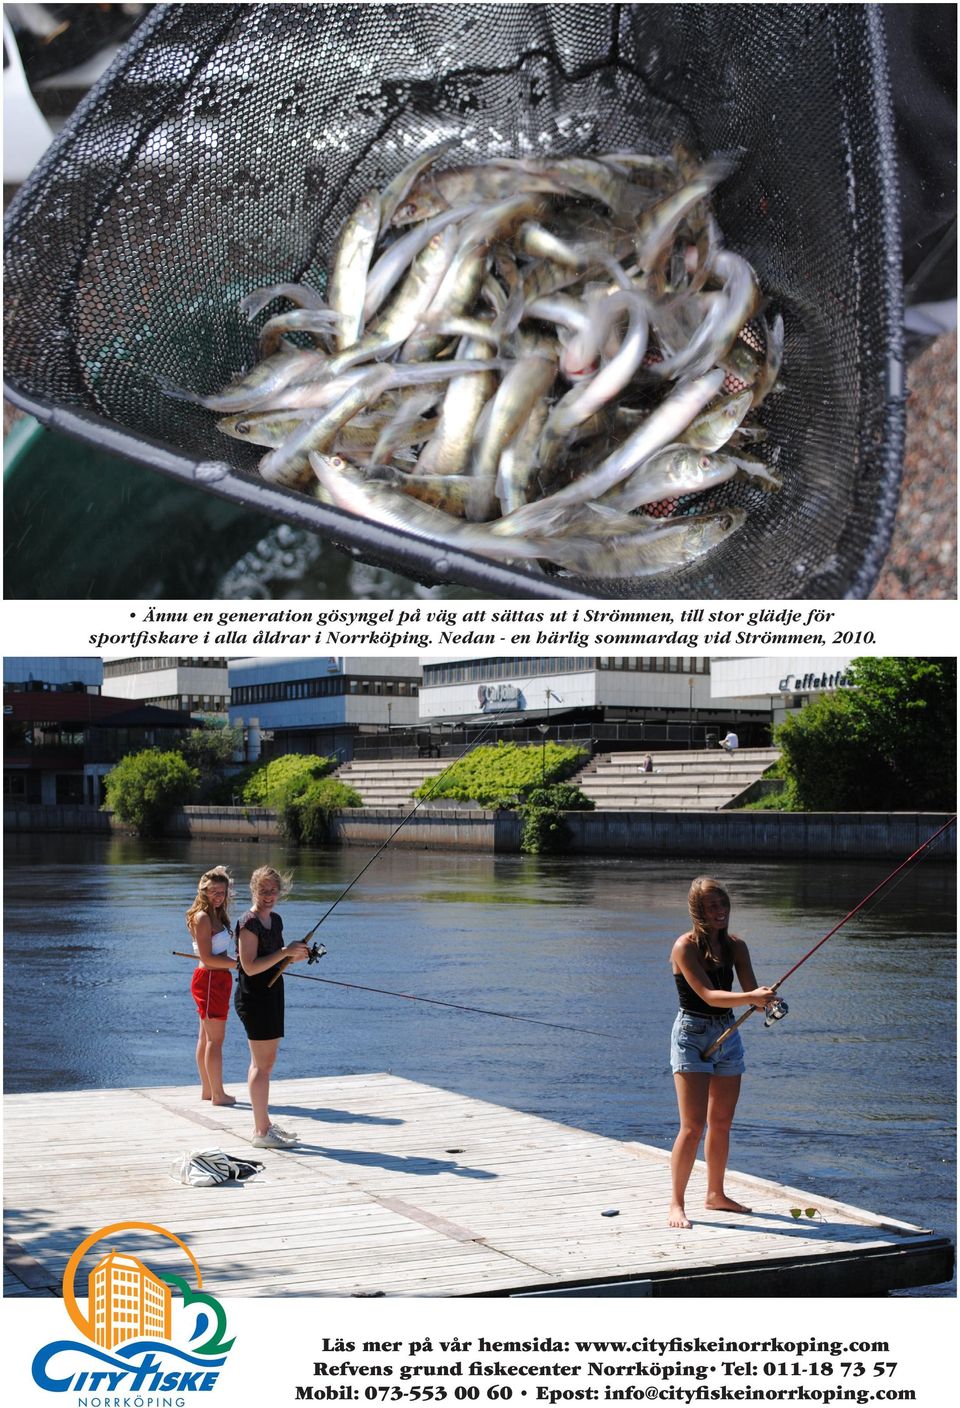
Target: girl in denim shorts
{"points": [[704, 962]]}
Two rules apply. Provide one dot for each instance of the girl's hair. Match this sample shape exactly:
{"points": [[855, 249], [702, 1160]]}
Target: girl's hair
{"points": [[701, 888], [267, 872], [219, 875]]}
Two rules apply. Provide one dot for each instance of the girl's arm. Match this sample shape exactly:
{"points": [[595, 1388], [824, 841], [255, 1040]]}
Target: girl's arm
{"points": [[203, 934], [748, 980], [251, 964], [687, 959]]}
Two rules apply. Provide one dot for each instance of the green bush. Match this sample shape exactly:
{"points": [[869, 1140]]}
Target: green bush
{"points": [[499, 773], [307, 819], [144, 788], [285, 777], [545, 829], [886, 744]]}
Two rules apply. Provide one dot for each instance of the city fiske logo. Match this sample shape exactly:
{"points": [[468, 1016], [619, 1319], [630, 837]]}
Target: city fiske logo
{"points": [[138, 1342]]}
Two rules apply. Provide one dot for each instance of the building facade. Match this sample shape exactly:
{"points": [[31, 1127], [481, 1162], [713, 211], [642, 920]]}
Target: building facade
{"points": [[612, 701], [195, 685], [321, 704], [787, 682], [62, 735]]}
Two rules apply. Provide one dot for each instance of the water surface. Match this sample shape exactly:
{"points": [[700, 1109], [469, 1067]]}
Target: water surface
{"points": [[850, 1097]]}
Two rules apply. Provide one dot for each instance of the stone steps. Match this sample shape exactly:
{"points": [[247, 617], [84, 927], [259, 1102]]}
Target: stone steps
{"points": [[699, 779]]}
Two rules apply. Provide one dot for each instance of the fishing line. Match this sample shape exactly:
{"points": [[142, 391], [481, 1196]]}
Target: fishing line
{"points": [[507, 716], [913, 856], [436, 1002], [475, 743]]}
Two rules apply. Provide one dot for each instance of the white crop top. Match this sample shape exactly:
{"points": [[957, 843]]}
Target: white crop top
{"points": [[219, 943]]}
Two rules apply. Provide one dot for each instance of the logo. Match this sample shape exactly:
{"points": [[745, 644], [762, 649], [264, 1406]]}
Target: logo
{"points": [[492, 697], [138, 1341]]}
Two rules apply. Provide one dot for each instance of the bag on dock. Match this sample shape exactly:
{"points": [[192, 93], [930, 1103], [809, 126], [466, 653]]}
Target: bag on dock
{"points": [[205, 1168]]}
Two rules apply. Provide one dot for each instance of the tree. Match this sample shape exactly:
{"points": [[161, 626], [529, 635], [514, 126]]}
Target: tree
{"points": [[144, 788], [285, 777], [888, 743], [211, 750]]}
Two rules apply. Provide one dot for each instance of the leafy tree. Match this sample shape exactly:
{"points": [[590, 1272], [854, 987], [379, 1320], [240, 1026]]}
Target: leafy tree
{"points": [[307, 819], [144, 788], [211, 751], [284, 778], [886, 744]]}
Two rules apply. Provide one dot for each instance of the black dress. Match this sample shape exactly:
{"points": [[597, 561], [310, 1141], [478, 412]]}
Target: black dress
{"points": [[259, 1007]]}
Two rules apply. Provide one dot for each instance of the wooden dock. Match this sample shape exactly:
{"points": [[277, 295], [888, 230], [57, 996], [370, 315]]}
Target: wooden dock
{"points": [[402, 1189]]}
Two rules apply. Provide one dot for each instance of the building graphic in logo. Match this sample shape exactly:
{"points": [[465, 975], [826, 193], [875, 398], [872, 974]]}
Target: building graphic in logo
{"points": [[127, 1301], [138, 1340]]}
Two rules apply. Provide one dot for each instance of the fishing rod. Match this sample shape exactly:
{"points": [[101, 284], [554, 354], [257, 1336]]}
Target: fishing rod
{"points": [[435, 1001], [777, 1009], [313, 953], [317, 951]]}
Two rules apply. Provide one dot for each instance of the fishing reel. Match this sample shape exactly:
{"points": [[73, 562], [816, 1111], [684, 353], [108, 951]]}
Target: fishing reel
{"points": [[775, 1011], [314, 953]]}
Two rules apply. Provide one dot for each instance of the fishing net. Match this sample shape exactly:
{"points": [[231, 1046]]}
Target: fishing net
{"points": [[227, 144]]}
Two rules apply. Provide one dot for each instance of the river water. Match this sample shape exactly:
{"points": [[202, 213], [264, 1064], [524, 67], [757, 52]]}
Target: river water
{"points": [[850, 1097]]}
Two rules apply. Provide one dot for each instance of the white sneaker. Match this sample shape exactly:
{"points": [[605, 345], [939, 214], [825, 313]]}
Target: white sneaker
{"points": [[284, 1135], [270, 1140]]}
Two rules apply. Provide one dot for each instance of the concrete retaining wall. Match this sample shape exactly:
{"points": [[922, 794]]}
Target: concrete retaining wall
{"points": [[59, 817], [767, 835], [826, 835]]}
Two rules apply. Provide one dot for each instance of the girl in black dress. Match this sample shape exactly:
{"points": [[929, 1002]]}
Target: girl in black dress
{"points": [[260, 949]]}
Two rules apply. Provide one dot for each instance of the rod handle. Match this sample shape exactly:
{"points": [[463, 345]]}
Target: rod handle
{"points": [[278, 971], [729, 1031], [733, 1027]]}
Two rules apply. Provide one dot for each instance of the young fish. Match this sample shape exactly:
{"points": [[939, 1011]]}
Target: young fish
{"points": [[399, 188], [527, 382], [676, 470], [351, 262], [773, 360], [448, 450], [641, 551], [316, 321], [585, 399], [662, 426], [300, 294], [255, 389], [713, 427]]}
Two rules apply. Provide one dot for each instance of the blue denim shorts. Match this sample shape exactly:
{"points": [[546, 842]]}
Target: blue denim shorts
{"points": [[691, 1036]]}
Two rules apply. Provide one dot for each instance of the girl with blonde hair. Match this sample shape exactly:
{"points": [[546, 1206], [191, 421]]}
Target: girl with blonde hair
{"points": [[703, 962], [260, 949], [208, 921]]}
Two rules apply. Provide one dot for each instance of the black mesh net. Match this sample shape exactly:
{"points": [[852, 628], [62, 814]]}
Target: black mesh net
{"points": [[227, 144]]}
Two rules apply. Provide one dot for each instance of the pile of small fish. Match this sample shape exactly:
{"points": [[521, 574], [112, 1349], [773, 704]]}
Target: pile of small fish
{"points": [[530, 359]]}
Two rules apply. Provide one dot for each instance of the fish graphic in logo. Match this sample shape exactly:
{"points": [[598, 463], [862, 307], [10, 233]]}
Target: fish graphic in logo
{"points": [[129, 1325]]}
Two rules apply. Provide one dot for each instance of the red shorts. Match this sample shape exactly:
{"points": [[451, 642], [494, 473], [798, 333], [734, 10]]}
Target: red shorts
{"points": [[211, 992]]}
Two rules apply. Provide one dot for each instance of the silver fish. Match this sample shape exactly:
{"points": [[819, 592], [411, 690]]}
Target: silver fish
{"points": [[661, 427], [351, 261]]}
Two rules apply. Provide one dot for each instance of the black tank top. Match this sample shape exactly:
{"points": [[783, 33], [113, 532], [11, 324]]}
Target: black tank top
{"points": [[691, 1001], [268, 941]]}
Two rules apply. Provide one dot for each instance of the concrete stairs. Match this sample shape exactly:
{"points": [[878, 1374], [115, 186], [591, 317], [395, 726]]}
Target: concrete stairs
{"points": [[697, 779], [389, 782]]}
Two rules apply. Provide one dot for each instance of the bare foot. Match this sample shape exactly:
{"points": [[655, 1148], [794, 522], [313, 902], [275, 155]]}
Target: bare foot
{"points": [[205, 1095], [724, 1204], [225, 1099], [677, 1217]]}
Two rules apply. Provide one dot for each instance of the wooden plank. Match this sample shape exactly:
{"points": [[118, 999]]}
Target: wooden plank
{"points": [[403, 1189]]}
